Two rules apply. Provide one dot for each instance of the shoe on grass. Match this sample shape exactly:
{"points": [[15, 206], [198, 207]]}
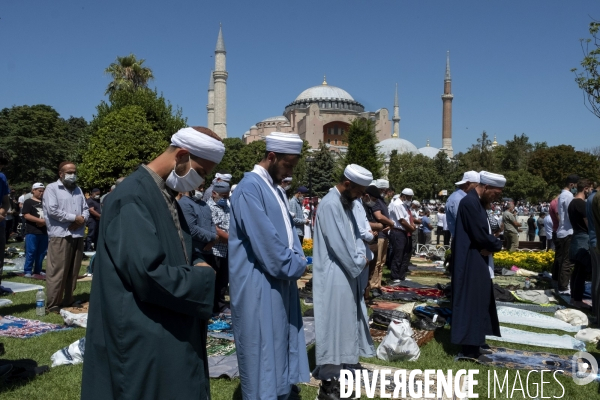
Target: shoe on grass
{"points": [[28, 275]]}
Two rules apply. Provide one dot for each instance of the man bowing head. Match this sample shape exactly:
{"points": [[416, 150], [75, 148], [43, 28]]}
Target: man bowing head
{"points": [[150, 301], [473, 307], [265, 261], [341, 320]]}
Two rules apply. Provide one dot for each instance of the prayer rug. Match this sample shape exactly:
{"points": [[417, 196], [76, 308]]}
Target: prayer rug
{"points": [[567, 299], [423, 268], [538, 339], [21, 328], [526, 360], [423, 292], [399, 296], [430, 280], [384, 305], [531, 307], [219, 347], [516, 316], [410, 284], [17, 287], [7, 302]]}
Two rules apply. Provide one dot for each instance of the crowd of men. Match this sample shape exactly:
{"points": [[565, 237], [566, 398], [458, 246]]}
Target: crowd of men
{"points": [[167, 251]]}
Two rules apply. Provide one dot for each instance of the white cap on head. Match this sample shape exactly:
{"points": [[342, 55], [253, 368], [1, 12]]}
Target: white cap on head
{"points": [[223, 177], [199, 144], [38, 185], [416, 203], [285, 143], [469, 176], [382, 184], [288, 179], [489, 178], [359, 175], [408, 192]]}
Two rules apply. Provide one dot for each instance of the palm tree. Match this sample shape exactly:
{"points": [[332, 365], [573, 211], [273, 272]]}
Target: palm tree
{"points": [[128, 73]]}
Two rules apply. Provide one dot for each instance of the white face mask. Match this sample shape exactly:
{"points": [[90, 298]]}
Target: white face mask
{"points": [[301, 199], [186, 183], [70, 179], [407, 203], [370, 203], [198, 195]]}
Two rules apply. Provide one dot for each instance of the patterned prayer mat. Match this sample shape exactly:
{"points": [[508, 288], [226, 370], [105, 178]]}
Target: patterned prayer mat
{"points": [[219, 347], [423, 292], [530, 307], [22, 328], [526, 360]]}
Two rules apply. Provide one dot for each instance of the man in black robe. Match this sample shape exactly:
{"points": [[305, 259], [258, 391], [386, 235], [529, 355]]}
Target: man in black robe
{"points": [[473, 307], [150, 300]]}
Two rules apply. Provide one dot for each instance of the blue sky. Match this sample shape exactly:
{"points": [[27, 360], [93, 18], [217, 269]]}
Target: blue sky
{"points": [[510, 60]]}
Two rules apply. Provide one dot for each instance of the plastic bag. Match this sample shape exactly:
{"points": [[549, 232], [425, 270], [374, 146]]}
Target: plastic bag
{"points": [[398, 343]]}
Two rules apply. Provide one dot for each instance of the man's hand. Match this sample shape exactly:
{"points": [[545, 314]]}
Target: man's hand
{"points": [[2, 214], [79, 220], [203, 264], [41, 223], [485, 253]]}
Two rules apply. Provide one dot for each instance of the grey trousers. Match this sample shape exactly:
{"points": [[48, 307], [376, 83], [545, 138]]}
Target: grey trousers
{"points": [[64, 261]]}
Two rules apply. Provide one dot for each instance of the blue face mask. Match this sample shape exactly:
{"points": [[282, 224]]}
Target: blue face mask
{"points": [[574, 190], [222, 202]]}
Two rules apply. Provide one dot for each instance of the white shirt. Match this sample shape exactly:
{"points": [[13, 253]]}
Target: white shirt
{"points": [[564, 224], [260, 171], [440, 220], [398, 212], [548, 226]]}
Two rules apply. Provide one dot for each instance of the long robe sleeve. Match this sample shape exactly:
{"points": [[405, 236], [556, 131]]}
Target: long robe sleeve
{"points": [[271, 250], [198, 229], [479, 234], [180, 288]]}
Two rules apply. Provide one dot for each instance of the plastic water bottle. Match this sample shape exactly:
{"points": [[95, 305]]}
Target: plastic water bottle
{"points": [[40, 303]]}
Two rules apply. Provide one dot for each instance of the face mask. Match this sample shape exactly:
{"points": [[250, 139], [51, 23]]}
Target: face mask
{"points": [[96, 197], [300, 199], [574, 190], [197, 195], [370, 203], [70, 179], [286, 187], [184, 183], [407, 203], [222, 203]]}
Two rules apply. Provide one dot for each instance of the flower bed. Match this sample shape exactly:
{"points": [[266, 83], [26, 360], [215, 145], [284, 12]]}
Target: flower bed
{"points": [[533, 261], [307, 247]]}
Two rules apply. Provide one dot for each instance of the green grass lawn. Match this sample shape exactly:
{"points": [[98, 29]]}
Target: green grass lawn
{"points": [[64, 382]]}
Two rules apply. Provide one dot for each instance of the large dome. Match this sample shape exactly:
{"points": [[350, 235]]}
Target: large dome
{"points": [[324, 92], [429, 151], [386, 147]]}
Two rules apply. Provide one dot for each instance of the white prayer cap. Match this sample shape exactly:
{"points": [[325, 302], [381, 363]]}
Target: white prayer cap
{"points": [[288, 179], [416, 203], [408, 192], [395, 196], [38, 185], [359, 175], [199, 144], [285, 143], [489, 178], [382, 184], [223, 177], [374, 182], [469, 176]]}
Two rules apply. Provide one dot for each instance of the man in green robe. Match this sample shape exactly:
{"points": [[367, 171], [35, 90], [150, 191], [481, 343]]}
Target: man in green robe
{"points": [[150, 302]]}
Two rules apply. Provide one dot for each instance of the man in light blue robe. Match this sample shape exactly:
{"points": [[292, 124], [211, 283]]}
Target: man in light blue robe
{"points": [[265, 261], [341, 320]]}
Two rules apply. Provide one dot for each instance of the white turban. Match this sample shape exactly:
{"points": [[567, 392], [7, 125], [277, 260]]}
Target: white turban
{"points": [[408, 192], [198, 144], [285, 143], [488, 178], [223, 177], [382, 184], [359, 175]]}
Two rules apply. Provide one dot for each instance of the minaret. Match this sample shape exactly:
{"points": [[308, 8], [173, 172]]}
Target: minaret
{"points": [[210, 107], [220, 89], [396, 117], [447, 111]]}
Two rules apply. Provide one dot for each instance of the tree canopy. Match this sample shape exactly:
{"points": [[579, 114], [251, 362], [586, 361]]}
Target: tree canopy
{"points": [[362, 146], [588, 79], [322, 171], [128, 73]]}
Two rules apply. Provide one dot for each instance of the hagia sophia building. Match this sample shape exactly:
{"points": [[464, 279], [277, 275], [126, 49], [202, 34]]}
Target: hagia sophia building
{"points": [[323, 113]]}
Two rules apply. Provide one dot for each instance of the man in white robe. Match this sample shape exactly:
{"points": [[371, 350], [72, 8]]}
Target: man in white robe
{"points": [[340, 257], [265, 261]]}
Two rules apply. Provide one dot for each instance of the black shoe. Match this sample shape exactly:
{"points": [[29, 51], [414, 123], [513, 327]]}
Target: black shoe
{"points": [[485, 349], [329, 390]]}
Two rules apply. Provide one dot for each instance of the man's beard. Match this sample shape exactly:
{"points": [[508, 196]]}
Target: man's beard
{"points": [[486, 200], [346, 200], [273, 172]]}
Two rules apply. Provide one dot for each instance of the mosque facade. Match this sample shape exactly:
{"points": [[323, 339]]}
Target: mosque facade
{"points": [[323, 113]]}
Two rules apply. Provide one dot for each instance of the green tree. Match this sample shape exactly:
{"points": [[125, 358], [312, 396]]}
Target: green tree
{"points": [[124, 140], [37, 139], [554, 164], [300, 177], [480, 156], [128, 73], [415, 171], [322, 171], [522, 185], [232, 161], [516, 154], [362, 146], [588, 80]]}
